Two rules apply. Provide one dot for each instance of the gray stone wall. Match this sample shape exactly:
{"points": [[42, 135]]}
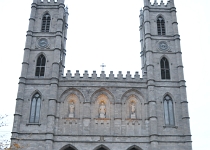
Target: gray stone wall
{"points": [[102, 112]]}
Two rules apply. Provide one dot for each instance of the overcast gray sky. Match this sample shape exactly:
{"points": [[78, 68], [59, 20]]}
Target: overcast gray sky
{"points": [[106, 31]]}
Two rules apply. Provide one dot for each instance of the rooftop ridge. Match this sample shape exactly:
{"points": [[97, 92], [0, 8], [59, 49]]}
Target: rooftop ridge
{"points": [[111, 76]]}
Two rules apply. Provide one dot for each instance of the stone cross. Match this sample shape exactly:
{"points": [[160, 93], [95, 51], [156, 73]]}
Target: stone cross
{"points": [[103, 66]]}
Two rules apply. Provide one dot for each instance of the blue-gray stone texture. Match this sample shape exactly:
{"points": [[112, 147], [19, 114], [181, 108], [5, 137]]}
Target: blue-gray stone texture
{"points": [[143, 128]]}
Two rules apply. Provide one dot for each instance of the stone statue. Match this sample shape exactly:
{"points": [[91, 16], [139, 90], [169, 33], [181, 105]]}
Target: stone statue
{"points": [[102, 111], [71, 110], [133, 111]]}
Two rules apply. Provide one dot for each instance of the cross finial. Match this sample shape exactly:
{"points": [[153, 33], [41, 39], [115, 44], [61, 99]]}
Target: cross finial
{"points": [[103, 66]]}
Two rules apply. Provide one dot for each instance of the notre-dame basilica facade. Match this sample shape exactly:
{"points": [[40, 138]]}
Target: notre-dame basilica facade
{"points": [[87, 112]]}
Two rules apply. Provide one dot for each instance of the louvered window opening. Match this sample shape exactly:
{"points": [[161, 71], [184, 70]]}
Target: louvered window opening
{"points": [[40, 66], [165, 70], [161, 26], [35, 108], [169, 111], [46, 23]]}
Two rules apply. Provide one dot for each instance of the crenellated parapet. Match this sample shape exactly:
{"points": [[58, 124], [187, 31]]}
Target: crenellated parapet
{"points": [[48, 1], [160, 4], [102, 77]]}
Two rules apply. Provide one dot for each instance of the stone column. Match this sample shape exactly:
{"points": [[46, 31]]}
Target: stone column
{"points": [[185, 125], [151, 82], [22, 81], [54, 80]]}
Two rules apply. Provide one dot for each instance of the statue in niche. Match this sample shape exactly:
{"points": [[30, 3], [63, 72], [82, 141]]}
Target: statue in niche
{"points": [[71, 110], [133, 111], [102, 110]]}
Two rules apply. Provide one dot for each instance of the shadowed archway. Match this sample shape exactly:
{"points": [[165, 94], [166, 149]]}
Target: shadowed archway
{"points": [[69, 147], [101, 147], [134, 147]]}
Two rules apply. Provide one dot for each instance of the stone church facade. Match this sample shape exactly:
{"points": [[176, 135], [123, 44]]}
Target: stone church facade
{"points": [[88, 112]]}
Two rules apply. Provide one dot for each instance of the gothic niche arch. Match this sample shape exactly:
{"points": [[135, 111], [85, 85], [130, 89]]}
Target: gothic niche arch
{"points": [[70, 108], [132, 107], [102, 107], [100, 103], [132, 103]]}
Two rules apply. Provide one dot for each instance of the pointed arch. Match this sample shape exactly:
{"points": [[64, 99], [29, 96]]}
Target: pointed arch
{"points": [[132, 102], [101, 147], [165, 68], [161, 25], [168, 105], [134, 147], [69, 147], [40, 66], [102, 91], [70, 91], [46, 22], [35, 108], [34, 92], [130, 92]]}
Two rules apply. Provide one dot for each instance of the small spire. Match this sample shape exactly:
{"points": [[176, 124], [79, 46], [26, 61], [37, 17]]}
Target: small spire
{"points": [[172, 3], [35, 1], [155, 2], [66, 9], [146, 2]]}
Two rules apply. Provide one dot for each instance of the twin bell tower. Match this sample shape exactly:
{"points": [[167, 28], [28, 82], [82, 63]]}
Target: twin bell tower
{"points": [[107, 112]]}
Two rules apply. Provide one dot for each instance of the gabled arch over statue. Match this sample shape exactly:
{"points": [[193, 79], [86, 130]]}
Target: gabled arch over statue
{"points": [[132, 101], [70, 103], [100, 103], [101, 91], [70, 91]]}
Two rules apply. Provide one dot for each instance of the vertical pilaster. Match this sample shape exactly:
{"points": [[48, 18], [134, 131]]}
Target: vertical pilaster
{"points": [[183, 94], [141, 29], [22, 81], [55, 79], [150, 79], [63, 51]]}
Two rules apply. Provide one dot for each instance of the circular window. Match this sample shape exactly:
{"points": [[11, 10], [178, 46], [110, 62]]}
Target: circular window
{"points": [[43, 43], [163, 46]]}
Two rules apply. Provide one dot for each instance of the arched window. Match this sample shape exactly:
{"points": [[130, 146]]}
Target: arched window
{"points": [[35, 108], [161, 26], [168, 110], [165, 70], [46, 23], [40, 66]]}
